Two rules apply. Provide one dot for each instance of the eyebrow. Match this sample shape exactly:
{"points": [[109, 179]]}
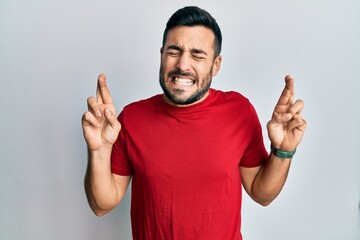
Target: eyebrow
{"points": [[174, 47], [193, 50]]}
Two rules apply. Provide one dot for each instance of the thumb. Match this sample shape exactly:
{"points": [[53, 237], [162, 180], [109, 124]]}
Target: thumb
{"points": [[111, 118]]}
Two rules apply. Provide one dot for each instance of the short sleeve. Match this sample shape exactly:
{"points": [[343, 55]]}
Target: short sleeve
{"points": [[120, 162], [255, 154]]}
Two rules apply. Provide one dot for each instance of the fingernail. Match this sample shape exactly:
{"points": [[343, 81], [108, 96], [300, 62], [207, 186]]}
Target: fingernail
{"points": [[98, 113]]}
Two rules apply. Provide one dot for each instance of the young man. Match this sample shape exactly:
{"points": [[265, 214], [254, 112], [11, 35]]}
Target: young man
{"points": [[188, 151]]}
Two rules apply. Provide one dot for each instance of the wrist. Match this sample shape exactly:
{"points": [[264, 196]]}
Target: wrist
{"points": [[281, 153], [100, 153]]}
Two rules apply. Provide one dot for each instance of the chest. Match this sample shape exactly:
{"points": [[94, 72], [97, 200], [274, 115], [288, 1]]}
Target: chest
{"points": [[192, 146]]}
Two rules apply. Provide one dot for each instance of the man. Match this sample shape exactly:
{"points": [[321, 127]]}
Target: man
{"points": [[188, 151]]}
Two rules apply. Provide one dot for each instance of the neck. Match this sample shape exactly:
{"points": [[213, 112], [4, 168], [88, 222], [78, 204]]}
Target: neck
{"points": [[170, 102]]}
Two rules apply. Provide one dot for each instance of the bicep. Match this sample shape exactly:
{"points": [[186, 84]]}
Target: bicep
{"points": [[122, 183], [248, 176]]}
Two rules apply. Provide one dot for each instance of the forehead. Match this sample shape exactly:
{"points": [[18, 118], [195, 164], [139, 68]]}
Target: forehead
{"points": [[191, 37]]}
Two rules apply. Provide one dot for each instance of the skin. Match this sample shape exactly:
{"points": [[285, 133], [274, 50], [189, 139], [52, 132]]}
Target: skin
{"points": [[101, 128], [285, 131], [187, 68], [188, 65]]}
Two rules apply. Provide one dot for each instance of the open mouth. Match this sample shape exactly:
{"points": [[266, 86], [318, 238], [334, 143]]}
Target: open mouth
{"points": [[182, 81]]}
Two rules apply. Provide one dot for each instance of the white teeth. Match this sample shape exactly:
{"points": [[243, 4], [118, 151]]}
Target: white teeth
{"points": [[183, 81]]}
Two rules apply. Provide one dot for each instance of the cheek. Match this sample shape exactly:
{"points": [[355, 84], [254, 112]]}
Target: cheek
{"points": [[206, 72], [169, 62], [164, 65]]}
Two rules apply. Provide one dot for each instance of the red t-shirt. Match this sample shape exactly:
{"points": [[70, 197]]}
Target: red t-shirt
{"points": [[185, 162]]}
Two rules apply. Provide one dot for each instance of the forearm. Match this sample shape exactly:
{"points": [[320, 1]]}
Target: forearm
{"points": [[100, 186], [270, 180]]}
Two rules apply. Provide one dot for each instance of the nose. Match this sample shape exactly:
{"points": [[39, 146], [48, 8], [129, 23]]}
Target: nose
{"points": [[183, 63]]}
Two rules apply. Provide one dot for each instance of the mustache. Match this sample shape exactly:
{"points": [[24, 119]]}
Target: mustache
{"points": [[178, 72]]}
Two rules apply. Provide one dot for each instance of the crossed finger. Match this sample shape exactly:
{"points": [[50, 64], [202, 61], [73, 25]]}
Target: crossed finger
{"points": [[297, 108], [287, 96], [102, 92]]}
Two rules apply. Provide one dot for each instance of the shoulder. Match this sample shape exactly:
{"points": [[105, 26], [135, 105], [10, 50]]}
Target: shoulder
{"points": [[148, 103], [230, 98], [141, 109], [233, 104]]}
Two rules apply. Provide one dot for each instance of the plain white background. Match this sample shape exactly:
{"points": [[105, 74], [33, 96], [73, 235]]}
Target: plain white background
{"points": [[51, 53]]}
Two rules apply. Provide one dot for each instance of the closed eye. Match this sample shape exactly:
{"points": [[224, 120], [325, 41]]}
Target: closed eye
{"points": [[198, 54], [173, 53], [173, 50]]}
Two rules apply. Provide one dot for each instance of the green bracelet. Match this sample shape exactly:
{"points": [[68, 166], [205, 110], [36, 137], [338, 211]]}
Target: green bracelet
{"points": [[282, 154]]}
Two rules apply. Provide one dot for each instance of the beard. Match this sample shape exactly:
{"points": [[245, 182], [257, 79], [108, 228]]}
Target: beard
{"points": [[177, 96]]}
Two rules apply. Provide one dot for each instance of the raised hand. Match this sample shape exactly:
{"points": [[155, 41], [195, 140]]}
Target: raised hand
{"points": [[100, 125], [286, 127]]}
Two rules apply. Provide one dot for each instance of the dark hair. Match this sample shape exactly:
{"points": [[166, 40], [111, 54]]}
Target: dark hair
{"points": [[195, 16]]}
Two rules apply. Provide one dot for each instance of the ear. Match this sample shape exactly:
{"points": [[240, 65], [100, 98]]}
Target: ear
{"points": [[161, 53], [216, 65]]}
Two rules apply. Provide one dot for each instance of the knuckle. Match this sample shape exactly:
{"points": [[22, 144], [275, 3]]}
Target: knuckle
{"points": [[304, 122], [87, 115], [293, 111]]}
